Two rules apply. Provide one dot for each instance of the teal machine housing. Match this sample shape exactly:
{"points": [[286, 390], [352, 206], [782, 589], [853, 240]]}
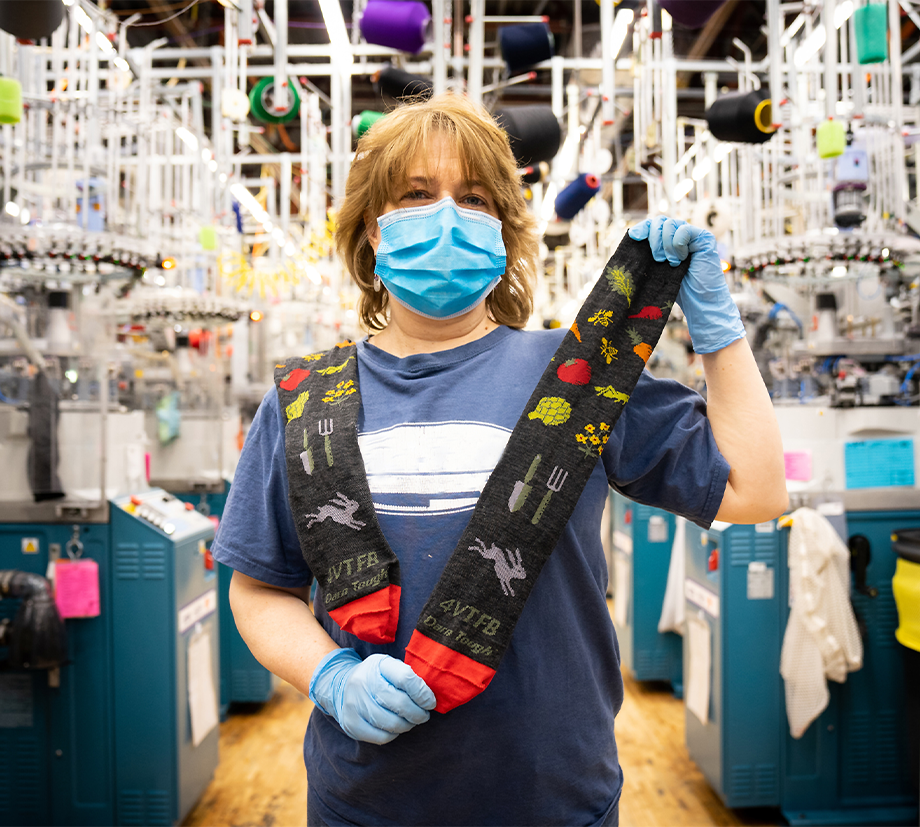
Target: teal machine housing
{"points": [[851, 766], [641, 546], [107, 738], [242, 678]]}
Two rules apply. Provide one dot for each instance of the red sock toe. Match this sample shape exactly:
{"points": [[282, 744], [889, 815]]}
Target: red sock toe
{"points": [[372, 618], [454, 678]]}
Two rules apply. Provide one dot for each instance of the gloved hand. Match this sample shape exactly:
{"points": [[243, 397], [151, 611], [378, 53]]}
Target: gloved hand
{"points": [[374, 699], [712, 317]]}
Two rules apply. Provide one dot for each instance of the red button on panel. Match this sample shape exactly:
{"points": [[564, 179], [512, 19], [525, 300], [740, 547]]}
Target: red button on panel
{"points": [[713, 563], [209, 560], [136, 500], [189, 507]]}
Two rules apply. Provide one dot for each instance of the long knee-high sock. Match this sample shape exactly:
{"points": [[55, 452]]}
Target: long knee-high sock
{"points": [[338, 530], [469, 618]]}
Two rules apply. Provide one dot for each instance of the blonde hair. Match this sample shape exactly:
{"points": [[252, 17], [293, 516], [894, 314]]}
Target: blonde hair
{"points": [[381, 169]]}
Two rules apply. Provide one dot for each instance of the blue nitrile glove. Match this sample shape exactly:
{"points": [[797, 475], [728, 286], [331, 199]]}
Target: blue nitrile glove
{"points": [[712, 317], [374, 699]]}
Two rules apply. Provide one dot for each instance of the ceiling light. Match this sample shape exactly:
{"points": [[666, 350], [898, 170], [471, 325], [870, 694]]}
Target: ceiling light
{"points": [[104, 43], [620, 29], [83, 18], [721, 152], [187, 138], [791, 32], [816, 40], [701, 170], [682, 189], [338, 34], [248, 200]]}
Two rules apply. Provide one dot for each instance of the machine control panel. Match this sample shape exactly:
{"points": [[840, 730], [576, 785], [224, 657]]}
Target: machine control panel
{"points": [[165, 512]]}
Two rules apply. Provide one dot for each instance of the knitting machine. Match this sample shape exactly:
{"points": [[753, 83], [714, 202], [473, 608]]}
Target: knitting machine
{"points": [[181, 349], [641, 550], [850, 766], [242, 678], [124, 730]]}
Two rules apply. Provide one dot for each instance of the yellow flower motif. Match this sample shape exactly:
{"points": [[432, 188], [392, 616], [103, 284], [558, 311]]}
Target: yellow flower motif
{"points": [[336, 395], [592, 444]]}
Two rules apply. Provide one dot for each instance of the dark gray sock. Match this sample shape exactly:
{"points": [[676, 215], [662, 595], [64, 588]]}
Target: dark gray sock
{"points": [[338, 530], [467, 623]]}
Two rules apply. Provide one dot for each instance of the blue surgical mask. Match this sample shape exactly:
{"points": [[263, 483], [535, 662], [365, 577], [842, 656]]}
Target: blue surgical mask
{"points": [[440, 260]]}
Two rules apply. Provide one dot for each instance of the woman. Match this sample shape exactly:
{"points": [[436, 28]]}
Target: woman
{"points": [[444, 377]]}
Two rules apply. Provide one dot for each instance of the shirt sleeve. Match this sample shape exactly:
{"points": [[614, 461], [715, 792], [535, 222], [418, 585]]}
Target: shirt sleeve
{"points": [[256, 535], [663, 453]]}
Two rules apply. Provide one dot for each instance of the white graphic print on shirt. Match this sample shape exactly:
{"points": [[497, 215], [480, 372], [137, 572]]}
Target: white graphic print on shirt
{"points": [[432, 467]]}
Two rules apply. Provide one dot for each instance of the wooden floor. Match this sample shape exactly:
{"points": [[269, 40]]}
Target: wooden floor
{"points": [[662, 786], [261, 782]]}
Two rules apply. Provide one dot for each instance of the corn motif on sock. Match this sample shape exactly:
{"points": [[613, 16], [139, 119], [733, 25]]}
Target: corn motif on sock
{"points": [[469, 618]]}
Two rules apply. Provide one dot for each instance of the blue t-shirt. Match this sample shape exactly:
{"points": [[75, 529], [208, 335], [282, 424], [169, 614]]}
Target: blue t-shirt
{"points": [[537, 747]]}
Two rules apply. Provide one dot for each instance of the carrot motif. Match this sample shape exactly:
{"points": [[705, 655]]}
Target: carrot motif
{"points": [[642, 349]]}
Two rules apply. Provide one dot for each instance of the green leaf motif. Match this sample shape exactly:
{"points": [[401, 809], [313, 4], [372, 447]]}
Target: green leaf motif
{"points": [[621, 281]]}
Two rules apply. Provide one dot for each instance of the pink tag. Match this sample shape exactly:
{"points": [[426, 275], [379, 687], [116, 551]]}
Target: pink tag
{"points": [[798, 465], [77, 588]]}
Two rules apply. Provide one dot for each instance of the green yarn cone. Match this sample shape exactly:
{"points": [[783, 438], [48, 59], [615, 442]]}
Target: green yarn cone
{"points": [[10, 100], [870, 24]]}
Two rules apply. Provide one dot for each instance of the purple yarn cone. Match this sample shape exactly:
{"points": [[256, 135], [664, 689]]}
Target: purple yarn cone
{"points": [[398, 24], [691, 13]]}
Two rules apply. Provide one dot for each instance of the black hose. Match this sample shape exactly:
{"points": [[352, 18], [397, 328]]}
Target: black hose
{"points": [[36, 639]]}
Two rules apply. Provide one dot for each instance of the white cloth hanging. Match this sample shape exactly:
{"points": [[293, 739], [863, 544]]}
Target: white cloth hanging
{"points": [[822, 639], [673, 613]]}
